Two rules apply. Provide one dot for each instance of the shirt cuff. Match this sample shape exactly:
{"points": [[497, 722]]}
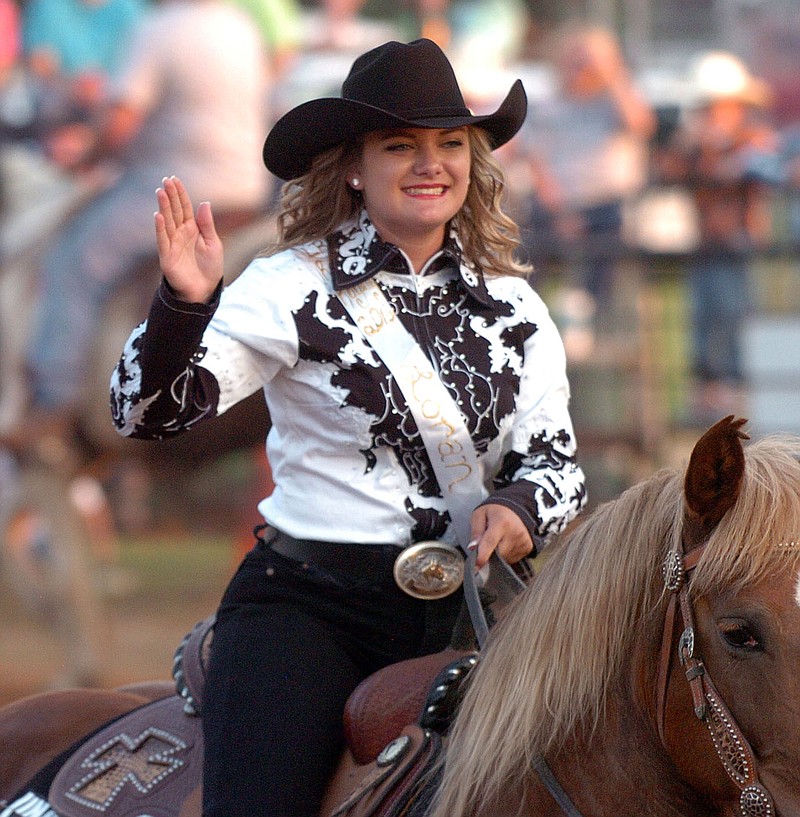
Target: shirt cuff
{"points": [[166, 294]]}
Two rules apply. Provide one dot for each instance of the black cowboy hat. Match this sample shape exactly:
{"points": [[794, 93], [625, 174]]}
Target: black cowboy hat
{"points": [[393, 85]]}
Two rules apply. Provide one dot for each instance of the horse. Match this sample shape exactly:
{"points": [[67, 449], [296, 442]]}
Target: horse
{"points": [[65, 500], [650, 668]]}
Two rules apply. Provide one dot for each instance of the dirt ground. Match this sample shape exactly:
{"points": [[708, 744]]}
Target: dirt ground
{"points": [[161, 598]]}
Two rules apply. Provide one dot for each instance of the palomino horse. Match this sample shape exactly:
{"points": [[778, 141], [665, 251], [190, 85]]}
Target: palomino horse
{"points": [[655, 667], [651, 669]]}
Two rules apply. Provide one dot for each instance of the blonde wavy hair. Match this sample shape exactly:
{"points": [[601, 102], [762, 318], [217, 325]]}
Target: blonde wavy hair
{"points": [[316, 204], [567, 643]]}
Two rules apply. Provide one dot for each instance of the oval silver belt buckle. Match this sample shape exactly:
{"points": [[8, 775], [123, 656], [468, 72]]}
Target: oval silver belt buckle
{"points": [[429, 570]]}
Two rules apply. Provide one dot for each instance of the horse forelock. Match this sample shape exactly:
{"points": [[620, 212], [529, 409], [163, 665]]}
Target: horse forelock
{"points": [[566, 641], [760, 534]]}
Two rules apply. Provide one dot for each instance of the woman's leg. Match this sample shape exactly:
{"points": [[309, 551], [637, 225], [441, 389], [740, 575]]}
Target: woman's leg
{"points": [[272, 716], [92, 256], [291, 643]]}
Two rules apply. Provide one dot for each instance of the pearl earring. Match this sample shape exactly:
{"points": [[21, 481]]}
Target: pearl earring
{"points": [[355, 182]]}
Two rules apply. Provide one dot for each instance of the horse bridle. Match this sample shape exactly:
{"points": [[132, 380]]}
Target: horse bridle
{"points": [[731, 745]]}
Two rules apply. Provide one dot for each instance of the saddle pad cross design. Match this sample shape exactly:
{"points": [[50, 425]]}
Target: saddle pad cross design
{"points": [[150, 756]]}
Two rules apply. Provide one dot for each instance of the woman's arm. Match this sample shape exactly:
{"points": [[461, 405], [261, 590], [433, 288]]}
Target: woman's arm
{"points": [[158, 387], [539, 487]]}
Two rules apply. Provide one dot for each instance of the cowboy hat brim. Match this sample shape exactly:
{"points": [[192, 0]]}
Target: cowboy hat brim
{"points": [[313, 127]]}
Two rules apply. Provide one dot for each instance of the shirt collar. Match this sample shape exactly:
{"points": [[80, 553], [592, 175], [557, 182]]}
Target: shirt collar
{"points": [[357, 253]]}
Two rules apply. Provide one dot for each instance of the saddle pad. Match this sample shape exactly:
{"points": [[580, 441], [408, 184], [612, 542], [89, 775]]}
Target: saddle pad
{"points": [[147, 762]]}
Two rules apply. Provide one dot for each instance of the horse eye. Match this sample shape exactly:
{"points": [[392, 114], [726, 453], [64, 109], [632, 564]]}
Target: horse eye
{"points": [[740, 636]]}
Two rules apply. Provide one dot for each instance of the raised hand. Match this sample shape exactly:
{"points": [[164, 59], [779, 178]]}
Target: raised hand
{"points": [[189, 250]]}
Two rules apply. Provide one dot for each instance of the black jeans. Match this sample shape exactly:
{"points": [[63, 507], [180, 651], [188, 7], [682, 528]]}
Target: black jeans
{"points": [[290, 644]]}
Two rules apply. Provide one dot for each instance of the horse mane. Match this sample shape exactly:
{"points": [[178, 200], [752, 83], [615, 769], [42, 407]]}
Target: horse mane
{"points": [[564, 644]]}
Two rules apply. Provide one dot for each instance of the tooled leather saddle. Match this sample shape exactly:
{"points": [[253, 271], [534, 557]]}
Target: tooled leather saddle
{"points": [[149, 761]]}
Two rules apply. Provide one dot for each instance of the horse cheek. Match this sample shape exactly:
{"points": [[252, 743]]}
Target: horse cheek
{"points": [[689, 745]]}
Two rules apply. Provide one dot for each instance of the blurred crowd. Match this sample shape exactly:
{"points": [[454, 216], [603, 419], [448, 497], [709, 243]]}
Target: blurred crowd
{"points": [[114, 94], [124, 91]]}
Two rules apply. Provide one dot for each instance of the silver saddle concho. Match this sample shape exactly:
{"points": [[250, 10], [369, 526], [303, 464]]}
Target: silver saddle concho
{"points": [[429, 570]]}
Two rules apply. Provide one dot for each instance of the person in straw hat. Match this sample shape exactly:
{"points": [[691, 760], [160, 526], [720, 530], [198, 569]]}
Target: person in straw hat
{"points": [[391, 237], [726, 152]]}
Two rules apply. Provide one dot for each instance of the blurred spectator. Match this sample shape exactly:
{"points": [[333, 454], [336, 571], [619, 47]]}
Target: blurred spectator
{"points": [[10, 34], [9, 38], [486, 33], [190, 100], [483, 39], [72, 36], [280, 25], [340, 25], [790, 155], [333, 34], [588, 151], [432, 21], [726, 152], [279, 22], [473, 32], [71, 47]]}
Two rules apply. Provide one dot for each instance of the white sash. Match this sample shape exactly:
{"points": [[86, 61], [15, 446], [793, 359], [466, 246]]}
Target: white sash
{"points": [[441, 426], [440, 423]]}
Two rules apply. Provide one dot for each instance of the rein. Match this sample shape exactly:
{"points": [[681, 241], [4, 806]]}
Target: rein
{"points": [[732, 747]]}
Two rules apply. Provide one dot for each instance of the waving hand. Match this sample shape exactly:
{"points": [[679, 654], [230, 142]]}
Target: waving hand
{"points": [[189, 250]]}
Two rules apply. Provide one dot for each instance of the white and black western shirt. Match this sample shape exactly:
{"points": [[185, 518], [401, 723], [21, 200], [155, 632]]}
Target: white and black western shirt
{"points": [[346, 457]]}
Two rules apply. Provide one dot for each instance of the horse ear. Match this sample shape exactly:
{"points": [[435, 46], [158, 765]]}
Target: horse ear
{"points": [[713, 478]]}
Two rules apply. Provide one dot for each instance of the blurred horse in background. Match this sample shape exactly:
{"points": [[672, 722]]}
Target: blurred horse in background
{"points": [[58, 520]]}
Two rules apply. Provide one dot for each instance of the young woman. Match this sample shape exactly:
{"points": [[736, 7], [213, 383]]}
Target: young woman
{"points": [[391, 235]]}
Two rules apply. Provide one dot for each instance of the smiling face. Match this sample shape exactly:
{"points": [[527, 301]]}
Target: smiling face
{"points": [[413, 182]]}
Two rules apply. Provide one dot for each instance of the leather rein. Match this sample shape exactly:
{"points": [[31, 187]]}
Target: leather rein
{"points": [[732, 747]]}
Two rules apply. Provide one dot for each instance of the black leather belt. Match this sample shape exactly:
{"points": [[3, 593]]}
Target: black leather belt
{"points": [[426, 570], [365, 561]]}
